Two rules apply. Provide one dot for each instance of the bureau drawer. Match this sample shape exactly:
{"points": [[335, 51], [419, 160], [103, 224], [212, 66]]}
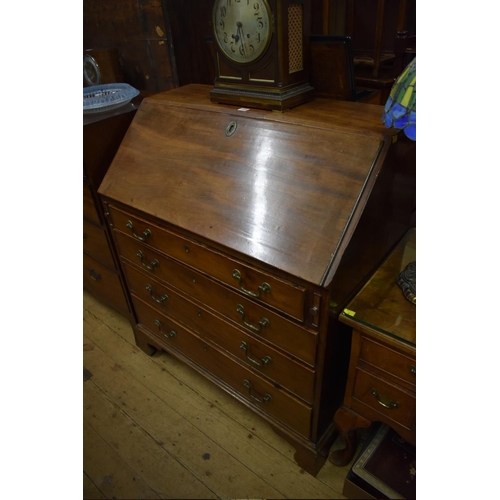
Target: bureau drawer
{"points": [[251, 282], [250, 316], [260, 356], [89, 210], [389, 403], [104, 283], [95, 244], [250, 386], [388, 360]]}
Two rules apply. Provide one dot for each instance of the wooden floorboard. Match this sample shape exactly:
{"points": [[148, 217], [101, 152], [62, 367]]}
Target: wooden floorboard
{"points": [[156, 428]]}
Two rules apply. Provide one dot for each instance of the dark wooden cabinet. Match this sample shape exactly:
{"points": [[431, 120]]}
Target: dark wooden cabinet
{"points": [[243, 233], [102, 135]]}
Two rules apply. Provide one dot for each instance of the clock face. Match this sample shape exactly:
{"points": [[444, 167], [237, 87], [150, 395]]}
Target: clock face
{"points": [[242, 28], [91, 72]]}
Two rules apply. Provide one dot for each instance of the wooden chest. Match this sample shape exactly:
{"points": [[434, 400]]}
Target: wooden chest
{"points": [[102, 134], [243, 233]]}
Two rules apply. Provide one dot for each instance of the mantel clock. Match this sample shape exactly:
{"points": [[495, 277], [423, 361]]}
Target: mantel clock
{"points": [[262, 53]]}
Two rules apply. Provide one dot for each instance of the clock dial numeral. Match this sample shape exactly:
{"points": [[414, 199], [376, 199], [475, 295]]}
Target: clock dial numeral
{"points": [[242, 28]]}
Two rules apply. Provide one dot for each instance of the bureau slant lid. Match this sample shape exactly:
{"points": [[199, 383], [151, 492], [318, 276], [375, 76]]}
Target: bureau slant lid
{"points": [[285, 189]]}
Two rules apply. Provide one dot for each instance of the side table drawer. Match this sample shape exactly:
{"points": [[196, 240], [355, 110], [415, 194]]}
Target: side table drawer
{"points": [[391, 403], [95, 244], [98, 279], [388, 360], [284, 296]]}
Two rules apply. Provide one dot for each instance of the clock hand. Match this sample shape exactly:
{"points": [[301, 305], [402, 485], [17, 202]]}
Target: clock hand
{"points": [[240, 31]]}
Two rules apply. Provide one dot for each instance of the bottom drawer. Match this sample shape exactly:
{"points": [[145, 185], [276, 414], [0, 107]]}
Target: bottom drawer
{"points": [[103, 283], [248, 384], [378, 400]]}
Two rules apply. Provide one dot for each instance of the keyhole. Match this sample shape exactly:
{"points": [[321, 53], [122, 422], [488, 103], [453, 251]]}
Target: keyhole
{"points": [[231, 129]]}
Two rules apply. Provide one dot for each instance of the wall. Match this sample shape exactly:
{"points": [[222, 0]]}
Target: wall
{"points": [[191, 25], [162, 42], [365, 13], [140, 31]]}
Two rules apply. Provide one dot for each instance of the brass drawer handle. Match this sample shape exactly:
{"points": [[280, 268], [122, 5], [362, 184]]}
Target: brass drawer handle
{"points": [[263, 362], [262, 323], [267, 398], [384, 401], [152, 264], [169, 335], [94, 274], [264, 288], [162, 299], [412, 369], [146, 233]]}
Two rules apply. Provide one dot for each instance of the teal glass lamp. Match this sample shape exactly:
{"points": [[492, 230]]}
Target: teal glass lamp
{"points": [[401, 107]]}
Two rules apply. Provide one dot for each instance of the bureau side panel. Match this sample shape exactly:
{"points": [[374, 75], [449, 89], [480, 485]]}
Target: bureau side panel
{"points": [[389, 213]]}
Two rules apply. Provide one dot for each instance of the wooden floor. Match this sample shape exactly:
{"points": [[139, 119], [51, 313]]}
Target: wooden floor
{"points": [[155, 428]]}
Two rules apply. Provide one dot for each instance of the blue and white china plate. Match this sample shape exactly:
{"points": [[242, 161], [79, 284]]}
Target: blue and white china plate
{"points": [[99, 98]]}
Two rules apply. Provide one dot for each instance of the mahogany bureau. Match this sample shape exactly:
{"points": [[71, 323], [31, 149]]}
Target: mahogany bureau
{"points": [[243, 233]]}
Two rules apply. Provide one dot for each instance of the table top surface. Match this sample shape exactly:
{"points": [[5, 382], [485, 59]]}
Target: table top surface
{"points": [[381, 305]]}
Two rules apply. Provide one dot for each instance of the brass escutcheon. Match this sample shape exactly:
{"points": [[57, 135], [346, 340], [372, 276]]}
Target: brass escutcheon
{"points": [[231, 128]]}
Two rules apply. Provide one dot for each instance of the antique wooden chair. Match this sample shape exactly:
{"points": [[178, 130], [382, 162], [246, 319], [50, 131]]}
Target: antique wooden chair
{"points": [[332, 70]]}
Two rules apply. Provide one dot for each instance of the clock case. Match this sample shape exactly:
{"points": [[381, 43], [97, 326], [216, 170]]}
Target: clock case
{"points": [[279, 80]]}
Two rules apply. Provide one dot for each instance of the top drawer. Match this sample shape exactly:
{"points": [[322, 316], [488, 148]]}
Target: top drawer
{"points": [[286, 297], [388, 360]]}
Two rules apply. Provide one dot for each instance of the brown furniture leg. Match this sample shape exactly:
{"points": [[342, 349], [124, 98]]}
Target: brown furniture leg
{"points": [[310, 458], [144, 342], [347, 422]]}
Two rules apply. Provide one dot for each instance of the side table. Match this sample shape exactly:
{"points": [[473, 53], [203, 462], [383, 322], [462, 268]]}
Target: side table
{"points": [[381, 384]]}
